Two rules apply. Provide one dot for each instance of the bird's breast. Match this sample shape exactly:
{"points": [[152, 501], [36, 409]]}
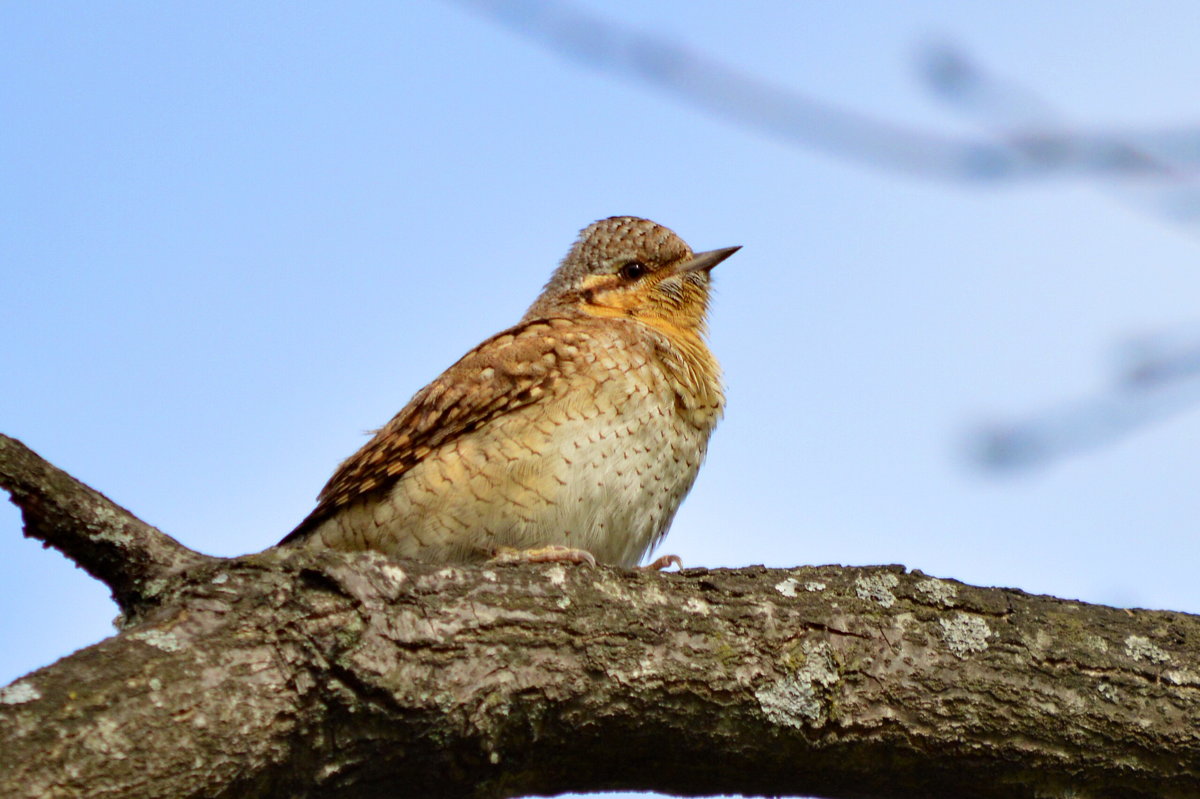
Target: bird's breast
{"points": [[601, 461], [610, 459]]}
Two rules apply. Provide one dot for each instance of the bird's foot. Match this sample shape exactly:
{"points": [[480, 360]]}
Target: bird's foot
{"points": [[550, 554], [661, 563]]}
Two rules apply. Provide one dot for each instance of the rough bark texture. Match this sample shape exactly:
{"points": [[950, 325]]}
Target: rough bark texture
{"points": [[293, 674], [109, 542]]}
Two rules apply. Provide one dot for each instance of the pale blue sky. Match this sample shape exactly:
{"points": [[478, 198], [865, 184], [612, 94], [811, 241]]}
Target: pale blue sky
{"points": [[234, 237]]}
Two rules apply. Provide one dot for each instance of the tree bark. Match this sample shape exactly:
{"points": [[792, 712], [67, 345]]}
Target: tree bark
{"points": [[296, 674], [107, 541]]}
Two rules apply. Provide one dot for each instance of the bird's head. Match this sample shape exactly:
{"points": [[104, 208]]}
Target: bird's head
{"points": [[629, 267]]}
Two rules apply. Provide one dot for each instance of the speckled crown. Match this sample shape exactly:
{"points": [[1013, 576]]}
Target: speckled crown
{"points": [[604, 245]]}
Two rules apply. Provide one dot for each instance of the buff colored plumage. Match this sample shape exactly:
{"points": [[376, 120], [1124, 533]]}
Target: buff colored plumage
{"points": [[583, 426]]}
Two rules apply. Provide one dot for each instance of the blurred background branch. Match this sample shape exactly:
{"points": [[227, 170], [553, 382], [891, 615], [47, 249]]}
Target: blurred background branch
{"points": [[1157, 171], [713, 86], [1158, 375]]}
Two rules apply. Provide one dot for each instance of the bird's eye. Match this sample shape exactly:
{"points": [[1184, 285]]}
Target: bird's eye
{"points": [[634, 270]]}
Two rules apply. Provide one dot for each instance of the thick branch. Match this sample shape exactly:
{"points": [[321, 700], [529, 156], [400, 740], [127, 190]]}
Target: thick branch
{"points": [[335, 675], [301, 674], [112, 544]]}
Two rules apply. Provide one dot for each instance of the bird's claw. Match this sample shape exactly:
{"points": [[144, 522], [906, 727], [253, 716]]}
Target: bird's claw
{"points": [[660, 563]]}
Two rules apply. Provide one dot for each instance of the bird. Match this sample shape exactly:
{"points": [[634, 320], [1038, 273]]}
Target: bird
{"points": [[572, 436]]}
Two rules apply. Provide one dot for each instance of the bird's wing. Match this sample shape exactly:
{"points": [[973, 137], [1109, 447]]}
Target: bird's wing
{"points": [[506, 372]]}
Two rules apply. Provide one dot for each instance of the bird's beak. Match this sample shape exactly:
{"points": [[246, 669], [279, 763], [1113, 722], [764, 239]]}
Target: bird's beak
{"points": [[704, 261]]}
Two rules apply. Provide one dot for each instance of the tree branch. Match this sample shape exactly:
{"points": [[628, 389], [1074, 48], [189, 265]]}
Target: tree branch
{"points": [[109, 542], [292, 673], [352, 676]]}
